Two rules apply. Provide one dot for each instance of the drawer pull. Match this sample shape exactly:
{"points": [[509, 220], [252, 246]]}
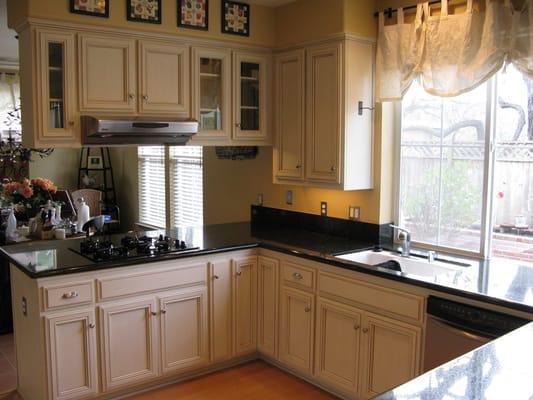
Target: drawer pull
{"points": [[92, 326], [215, 276], [297, 276], [153, 313], [365, 330], [307, 309], [70, 295], [356, 327], [163, 311], [238, 273]]}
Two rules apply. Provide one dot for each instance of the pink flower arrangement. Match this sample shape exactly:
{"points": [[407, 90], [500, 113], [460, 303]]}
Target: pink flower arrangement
{"points": [[29, 194], [44, 184]]}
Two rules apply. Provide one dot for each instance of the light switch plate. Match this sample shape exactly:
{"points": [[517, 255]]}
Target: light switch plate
{"points": [[354, 213], [260, 199], [288, 197]]}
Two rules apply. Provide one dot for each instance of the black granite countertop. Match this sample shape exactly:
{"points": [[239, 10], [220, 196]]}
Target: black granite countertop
{"points": [[499, 282], [498, 370]]}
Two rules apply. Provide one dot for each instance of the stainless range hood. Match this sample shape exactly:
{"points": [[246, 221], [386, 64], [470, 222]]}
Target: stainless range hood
{"points": [[109, 131]]}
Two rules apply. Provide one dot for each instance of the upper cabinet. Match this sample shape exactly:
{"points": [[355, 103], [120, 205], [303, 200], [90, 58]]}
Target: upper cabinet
{"points": [[163, 78], [107, 74], [48, 90], [211, 93], [323, 137], [250, 96]]}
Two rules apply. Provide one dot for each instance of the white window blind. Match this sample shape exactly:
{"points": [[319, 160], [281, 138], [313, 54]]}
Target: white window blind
{"points": [[152, 201], [186, 186]]}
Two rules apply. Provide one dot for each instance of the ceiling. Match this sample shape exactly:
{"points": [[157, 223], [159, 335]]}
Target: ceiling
{"points": [[271, 3]]}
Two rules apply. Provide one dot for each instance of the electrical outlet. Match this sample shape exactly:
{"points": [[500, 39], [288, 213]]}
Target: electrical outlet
{"points": [[260, 199], [288, 197], [24, 306], [354, 213], [323, 208]]}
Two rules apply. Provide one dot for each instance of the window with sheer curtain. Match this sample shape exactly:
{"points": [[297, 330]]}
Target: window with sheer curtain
{"points": [[176, 172]]}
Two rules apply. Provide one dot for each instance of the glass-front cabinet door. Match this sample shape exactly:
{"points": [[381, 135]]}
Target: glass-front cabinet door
{"points": [[212, 93], [250, 97], [57, 120]]}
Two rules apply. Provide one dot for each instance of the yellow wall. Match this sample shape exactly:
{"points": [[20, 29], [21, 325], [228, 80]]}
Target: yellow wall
{"points": [[261, 28]]}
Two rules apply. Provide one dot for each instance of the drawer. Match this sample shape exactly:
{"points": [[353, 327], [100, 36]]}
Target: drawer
{"points": [[298, 275], [124, 285], [393, 302], [67, 295]]}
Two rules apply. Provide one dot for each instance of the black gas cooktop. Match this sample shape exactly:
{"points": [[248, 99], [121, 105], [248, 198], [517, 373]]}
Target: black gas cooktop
{"points": [[127, 247]]}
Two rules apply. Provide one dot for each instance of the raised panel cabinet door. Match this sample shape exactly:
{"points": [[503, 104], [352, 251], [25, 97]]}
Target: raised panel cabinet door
{"points": [[267, 307], [323, 113], [57, 115], [73, 370], [250, 75], [390, 354], [128, 342], [108, 74], [245, 305], [221, 309], [290, 115], [184, 334], [296, 332], [164, 78], [211, 93], [338, 332]]}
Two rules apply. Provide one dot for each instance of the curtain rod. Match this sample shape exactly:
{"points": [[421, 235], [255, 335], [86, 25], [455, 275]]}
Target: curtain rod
{"points": [[389, 11]]}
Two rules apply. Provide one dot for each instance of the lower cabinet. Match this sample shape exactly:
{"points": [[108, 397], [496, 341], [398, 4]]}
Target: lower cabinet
{"points": [[267, 305], [245, 305], [391, 354], [221, 309], [128, 342], [338, 332], [71, 355], [296, 331], [184, 333]]}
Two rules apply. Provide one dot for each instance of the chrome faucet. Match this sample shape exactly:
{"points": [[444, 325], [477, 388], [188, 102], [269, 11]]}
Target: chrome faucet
{"points": [[404, 236]]}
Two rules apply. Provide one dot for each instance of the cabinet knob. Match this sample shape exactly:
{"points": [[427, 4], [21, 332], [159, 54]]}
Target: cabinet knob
{"points": [[333, 168], [131, 96], [163, 311], [92, 326], [153, 313], [365, 330], [70, 295], [238, 125], [298, 166], [145, 97], [71, 123], [239, 273], [215, 276], [356, 327], [307, 309], [297, 276]]}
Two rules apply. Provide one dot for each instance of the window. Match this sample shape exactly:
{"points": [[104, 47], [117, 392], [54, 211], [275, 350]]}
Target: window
{"points": [[170, 186], [466, 168]]}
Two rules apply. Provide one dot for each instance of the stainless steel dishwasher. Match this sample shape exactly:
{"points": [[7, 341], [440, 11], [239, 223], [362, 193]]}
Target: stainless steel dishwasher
{"points": [[454, 329]]}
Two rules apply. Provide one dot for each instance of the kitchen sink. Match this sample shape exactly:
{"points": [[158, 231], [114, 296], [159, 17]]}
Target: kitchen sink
{"points": [[410, 265]]}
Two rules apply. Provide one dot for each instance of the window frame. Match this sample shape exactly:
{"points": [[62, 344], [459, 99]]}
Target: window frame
{"points": [[487, 215]]}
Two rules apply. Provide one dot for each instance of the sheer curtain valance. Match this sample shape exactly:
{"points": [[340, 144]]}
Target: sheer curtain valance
{"points": [[452, 54]]}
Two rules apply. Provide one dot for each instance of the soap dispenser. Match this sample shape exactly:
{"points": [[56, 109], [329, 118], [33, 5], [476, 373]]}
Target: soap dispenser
{"points": [[83, 214]]}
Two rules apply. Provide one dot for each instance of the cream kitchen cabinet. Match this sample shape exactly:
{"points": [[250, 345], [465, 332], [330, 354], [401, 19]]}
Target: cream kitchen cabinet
{"points": [[338, 337], [290, 115], [211, 93], [48, 90], [250, 98], [390, 355], [71, 338], [296, 329], [221, 309], [338, 135], [184, 330], [107, 74], [128, 340], [110, 70], [267, 305], [245, 305]]}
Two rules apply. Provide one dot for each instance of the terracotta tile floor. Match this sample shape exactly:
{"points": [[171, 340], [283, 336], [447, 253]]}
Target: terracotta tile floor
{"points": [[8, 371]]}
